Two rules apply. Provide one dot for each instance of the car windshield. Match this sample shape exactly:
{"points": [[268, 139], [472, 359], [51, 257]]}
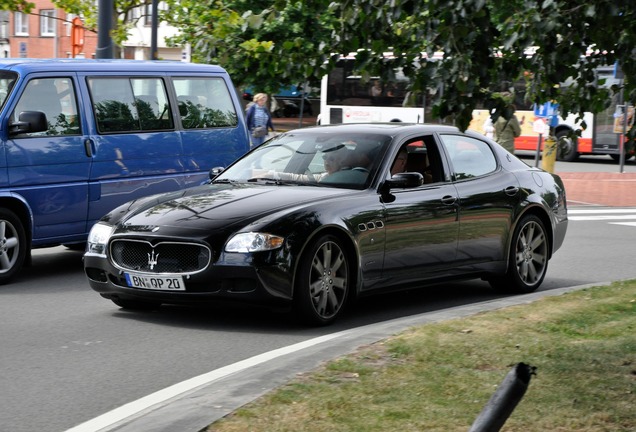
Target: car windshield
{"points": [[318, 158]]}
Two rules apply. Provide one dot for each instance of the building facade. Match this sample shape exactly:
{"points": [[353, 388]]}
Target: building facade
{"points": [[46, 33]]}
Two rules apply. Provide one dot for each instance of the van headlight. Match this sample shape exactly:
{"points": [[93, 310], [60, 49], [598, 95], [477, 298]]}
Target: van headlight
{"points": [[253, 242], [98, 238]]}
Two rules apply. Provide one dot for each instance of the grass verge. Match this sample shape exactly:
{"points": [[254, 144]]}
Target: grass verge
{"points": [[438, 377]]}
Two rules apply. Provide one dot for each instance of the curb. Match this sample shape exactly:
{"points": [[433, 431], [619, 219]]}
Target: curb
{"points": [[196, 403]]}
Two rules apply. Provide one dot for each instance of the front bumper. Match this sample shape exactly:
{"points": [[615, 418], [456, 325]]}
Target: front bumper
{"points": [[236, 277]]}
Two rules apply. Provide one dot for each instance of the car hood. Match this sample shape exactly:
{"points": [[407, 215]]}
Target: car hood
{"points": [[219, 206]]}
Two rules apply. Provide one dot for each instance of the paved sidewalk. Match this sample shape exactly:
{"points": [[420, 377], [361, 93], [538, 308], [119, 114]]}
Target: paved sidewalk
{"points": [[600, 188]]}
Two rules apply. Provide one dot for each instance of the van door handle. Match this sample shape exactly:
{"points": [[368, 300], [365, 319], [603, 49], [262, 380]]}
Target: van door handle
{"points": [[88, 147]]}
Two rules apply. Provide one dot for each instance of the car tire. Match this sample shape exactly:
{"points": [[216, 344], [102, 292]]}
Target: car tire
{"points": [[322, 282], [528, 258], [136, 305], [566, 147], [13, 245]]}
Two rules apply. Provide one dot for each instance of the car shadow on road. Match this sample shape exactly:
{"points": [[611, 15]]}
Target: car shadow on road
{"points": [[369, 310]]}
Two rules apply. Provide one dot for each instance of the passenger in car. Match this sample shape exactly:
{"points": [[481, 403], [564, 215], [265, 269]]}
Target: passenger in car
{"points": [[399, 164]]}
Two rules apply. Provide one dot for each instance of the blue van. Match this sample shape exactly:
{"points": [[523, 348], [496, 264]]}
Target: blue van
{"points": [[80, 137]]}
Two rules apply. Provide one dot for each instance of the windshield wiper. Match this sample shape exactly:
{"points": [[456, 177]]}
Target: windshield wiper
{"points": [[224, 181], [269, 180]]}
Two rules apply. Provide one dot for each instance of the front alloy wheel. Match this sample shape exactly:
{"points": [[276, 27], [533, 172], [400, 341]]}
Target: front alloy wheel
{"points": [[323, 282], [528, 260]]}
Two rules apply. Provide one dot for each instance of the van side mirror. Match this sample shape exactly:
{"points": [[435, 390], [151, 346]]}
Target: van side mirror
{"points": [[29, 121]]}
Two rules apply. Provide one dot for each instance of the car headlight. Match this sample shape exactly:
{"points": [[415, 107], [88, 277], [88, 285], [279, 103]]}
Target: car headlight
{"points": [[253, 242], [98, 238]]}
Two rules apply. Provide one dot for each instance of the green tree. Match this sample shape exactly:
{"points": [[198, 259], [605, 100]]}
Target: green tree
{"points": [[483, 44], [265, 44], [122, 15], [487, 43], [16, 5]]}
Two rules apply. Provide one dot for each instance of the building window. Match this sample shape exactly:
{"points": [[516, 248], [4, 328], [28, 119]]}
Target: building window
{"points": [[47, 22], [148, 15], [21, 24]]}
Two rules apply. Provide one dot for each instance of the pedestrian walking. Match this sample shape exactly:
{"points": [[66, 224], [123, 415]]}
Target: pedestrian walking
{"points": [[259, 119], [507, 128]]}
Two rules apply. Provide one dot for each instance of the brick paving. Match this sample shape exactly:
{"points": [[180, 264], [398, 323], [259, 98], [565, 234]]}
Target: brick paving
{"points": [[600, 188]]}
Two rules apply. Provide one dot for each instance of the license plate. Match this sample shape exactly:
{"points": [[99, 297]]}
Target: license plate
{"points": [[163, 283]]}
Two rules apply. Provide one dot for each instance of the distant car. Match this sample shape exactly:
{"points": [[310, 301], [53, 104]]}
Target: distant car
{"points": [[276, 228]]}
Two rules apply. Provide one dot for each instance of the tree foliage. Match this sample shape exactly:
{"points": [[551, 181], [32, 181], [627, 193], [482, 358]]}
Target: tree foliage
{"points": [[266, 44], [482, 44], [122, 13], [16, 5], [479, 44]]}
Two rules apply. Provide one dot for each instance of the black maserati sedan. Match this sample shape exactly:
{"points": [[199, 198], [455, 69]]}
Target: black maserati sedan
{"points": [[318, 216]]}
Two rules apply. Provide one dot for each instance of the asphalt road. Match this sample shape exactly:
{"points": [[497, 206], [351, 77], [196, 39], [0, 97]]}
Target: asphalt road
{"points": [[69, 356]]}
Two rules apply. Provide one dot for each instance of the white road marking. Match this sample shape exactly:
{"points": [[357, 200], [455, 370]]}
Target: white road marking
{"points": [[603, 215], [117, 415], [624, 223]]}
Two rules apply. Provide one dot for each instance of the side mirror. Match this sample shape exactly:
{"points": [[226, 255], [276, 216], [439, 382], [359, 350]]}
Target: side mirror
{"points": [[404, 181], [29, 121], [214, 172]]}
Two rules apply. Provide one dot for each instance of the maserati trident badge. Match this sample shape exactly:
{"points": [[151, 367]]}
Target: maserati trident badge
{"points": [[152, 260]]}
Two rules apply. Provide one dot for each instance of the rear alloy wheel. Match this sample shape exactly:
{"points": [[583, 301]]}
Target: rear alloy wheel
{"points": [[322, 285], [13, 247], [528, 260]]}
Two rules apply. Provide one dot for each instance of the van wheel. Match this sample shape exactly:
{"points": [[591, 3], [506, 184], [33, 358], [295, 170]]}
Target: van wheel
{"points": [[13, 245]]}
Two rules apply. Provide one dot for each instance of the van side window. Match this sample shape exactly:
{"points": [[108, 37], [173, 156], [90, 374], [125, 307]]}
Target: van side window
{"points": [[55, 97], [204, 103], [130, 104], [152, 104]]}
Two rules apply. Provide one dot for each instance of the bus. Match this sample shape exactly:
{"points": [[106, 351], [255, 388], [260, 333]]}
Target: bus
{"points": [[346, 97]]}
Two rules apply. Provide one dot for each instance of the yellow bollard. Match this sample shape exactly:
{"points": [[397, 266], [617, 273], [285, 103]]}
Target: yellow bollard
{"points": [[548, 157]]}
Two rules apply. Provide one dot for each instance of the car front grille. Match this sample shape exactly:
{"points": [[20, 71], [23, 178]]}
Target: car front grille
{"points": [[163, 257]]}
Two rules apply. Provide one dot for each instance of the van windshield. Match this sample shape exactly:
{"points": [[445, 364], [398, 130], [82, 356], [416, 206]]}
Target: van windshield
{"points": [[7, 81]]}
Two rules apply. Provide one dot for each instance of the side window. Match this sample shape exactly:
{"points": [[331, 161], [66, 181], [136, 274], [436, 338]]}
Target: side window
{"points": [[55, 97], [204, 103], [420, 155], [152, 104], [130, 104], [469, 157], [114, 104]]}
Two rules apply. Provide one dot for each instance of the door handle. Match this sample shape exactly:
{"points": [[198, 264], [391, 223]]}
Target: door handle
{"points": [[511, 190], [88, 147], [449, 199]]}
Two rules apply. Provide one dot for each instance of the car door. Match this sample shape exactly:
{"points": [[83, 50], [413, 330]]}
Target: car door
{"points": [[487, 197], [50, 169], [421, 223]]}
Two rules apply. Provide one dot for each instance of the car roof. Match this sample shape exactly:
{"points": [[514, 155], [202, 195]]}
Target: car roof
{"points": [[389, 129], [29, 65]]}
